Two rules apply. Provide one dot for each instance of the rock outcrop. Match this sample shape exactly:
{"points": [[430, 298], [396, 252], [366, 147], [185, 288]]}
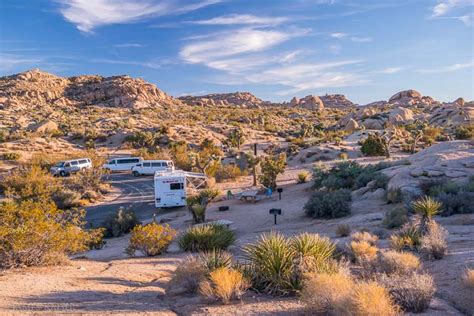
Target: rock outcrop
{"points": [[239, 99], [36, 88]]}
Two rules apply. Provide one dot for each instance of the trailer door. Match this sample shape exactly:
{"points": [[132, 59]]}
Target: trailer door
{"points": [[178, 195]]}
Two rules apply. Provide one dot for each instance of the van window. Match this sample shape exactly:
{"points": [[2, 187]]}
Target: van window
{"points": [[82, 161], [156, 164], [130, 160], [176, 186], [67, 164], [146, 164], [111, 162], [74, 163]]}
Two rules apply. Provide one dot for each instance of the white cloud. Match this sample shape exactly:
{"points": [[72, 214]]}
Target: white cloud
{"points": [[215, 49], [129, 45], [445, 6], [152, 64], [90, 14], [9, 62], [446, 69], [338, 35], [391, 70], [361, 39], [242, 19]]}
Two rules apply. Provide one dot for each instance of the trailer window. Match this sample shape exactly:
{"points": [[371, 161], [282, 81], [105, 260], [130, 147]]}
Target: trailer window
{"points": [[176, 186]]}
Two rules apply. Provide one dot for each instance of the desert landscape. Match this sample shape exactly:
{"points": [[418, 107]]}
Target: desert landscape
{"points": [[183, 158]]}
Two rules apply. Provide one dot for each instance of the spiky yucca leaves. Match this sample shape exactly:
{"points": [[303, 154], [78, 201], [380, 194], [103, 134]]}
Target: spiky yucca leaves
{"points": [[215, 259], [206, 237], [277, 264], [426, 207]]}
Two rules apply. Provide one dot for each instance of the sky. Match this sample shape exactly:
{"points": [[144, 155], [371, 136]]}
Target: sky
{"points": [[275, 49]]}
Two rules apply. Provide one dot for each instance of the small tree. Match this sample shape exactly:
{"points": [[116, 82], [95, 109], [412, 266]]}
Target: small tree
{"points": [[197, 204], [236, 138], [373, 145], [416, 131], [271, 167]]}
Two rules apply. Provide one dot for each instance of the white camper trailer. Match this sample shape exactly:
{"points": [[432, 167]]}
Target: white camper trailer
{"points": [[171, 188]]}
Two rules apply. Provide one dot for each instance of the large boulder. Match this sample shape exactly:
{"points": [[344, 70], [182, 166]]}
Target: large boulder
{"points": [[400, 115], [407, 94], [42, 127], [351, 125]]}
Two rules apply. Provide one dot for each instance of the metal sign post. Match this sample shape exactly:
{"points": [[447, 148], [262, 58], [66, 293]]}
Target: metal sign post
{"points": [[279, 190], [275, 212]]}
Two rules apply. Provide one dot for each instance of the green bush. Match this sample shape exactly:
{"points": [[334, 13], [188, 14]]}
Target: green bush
{"points": [[455, 198], [11, 156], [151, 240], [215, 259], [302, 177], [373, 145], [34, 233], [66, 198], [206, 238], [276, 264], [343, 230], [271, 167], [464, 132], [395, 218], [332, 204], [120, 223]]}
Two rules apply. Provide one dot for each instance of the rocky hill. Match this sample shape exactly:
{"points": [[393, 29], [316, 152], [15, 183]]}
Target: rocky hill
{"points": [[240, 99], [36, 88]]}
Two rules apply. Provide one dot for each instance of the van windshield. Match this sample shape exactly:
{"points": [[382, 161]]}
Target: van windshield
{"points": [[111, 162], [59, 164]]}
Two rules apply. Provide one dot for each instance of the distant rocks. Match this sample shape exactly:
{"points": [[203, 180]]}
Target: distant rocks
{"points": [[310, 102], [400, 115], [37, 88], [238, 99], [42, 127]]}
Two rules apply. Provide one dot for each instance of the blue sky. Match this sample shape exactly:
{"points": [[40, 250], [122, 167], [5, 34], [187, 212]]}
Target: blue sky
{"points": [[365, 49]]}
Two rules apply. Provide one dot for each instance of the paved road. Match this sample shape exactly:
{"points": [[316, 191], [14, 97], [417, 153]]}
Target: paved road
{"points": [[136, 193]]}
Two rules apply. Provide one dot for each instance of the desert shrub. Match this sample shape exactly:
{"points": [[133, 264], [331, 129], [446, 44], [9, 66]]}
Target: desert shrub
{"points": [[66, 198], [364, 252], [197, 204], [373, 145], [365, 236], [395, 218], [332, 204], [425, 208], [271, 167], [229, 172], [464, 132], [302, 177], [394, 196], [3, 136], [368, 175], [408, 238], [11, 156], [120, 223], [215, 259], [151, 240], [455, 198], [343, 156], [189, 274], [340, 176], [434, 244], [394, 262], [206, 237], [468, 278], [224, 284], [370, 299], [412, 292], [29, 183], [277, 264], [38, 233], [343, 230], [325, 292]]}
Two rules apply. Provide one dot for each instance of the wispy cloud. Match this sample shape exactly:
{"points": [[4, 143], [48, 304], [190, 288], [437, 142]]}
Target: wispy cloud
{"points": [[445, 7], [338, 35], [241, 19], [391, 70], [216, 49], [10, 62], [358, 39], [446, 69], [90, 14], [129, 45], [153, 64]]}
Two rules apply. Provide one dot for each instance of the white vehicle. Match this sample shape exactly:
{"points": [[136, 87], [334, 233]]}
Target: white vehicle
{"points": [[149, 167], [122, 163], [171, 188], [68, 167]]}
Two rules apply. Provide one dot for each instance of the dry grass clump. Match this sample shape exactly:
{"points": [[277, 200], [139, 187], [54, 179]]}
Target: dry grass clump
{"points": [[343, 230], [363, 251], [189, 274], [224, 284], [433, 243], [412, 292], [324, 292], [365, 236], [468, 278], [370, 298], [394, 262]]}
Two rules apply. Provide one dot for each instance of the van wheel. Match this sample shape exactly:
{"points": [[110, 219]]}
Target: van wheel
{"points": [[136, 173], [62, 173]]}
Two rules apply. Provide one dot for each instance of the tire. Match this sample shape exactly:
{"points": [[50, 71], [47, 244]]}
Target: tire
{"points": [[62, 173], [136, 173]]}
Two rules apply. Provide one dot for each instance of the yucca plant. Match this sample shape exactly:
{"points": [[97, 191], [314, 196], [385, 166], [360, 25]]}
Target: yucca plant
{"points": [[277, 264], [206, 237], [215, 259], [426, 207]]}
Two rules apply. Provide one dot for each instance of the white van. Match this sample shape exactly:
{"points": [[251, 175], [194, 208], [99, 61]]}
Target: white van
{"points": [[149, 167], [68, 167], [122, 163]]}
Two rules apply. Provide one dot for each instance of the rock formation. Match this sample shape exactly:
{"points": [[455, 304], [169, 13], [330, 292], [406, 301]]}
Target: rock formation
{"points": [[240, 99]]}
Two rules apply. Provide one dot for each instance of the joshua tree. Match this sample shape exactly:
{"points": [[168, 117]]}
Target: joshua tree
{"points": [[426, 208], [236, 138], [272, 166], [417, 133]]}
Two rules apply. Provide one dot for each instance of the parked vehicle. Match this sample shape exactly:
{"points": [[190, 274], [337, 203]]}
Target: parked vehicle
{"points": [[68, 167], [172, 187], [149, 167], [122, 163]]}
